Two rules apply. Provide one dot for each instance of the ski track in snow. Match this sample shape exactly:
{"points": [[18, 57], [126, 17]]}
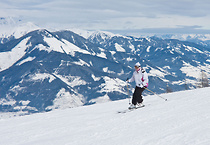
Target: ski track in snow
{"points": [[182, 120]]}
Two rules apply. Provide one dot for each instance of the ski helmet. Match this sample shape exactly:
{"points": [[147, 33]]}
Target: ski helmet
{"points": [[137, 64]]}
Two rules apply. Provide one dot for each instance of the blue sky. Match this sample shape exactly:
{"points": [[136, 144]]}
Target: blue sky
{"points": [[122, 16]]}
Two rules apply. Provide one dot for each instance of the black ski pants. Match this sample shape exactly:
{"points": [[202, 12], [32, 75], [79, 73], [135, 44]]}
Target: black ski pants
{"points": [[137, 95]]}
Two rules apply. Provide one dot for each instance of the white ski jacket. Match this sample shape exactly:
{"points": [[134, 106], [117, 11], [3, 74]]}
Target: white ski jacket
{"points": [[140, 77]]}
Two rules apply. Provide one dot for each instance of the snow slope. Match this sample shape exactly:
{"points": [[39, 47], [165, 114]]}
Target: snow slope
{"points": [[183, 120]]}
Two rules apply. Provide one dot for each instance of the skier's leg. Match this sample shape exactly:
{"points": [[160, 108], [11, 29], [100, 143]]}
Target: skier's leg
{"points": [[140, 99], [135, 96]]}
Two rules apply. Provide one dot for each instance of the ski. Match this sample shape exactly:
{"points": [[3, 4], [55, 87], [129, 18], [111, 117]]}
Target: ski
{"points": [[129, 110], [136, 107]]}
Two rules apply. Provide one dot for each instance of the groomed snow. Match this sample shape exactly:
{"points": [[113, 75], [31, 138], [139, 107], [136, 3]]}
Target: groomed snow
{"points": [[183, 120]]}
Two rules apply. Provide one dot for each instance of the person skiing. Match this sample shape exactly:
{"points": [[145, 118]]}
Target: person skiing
{"points": [[140, 77]]}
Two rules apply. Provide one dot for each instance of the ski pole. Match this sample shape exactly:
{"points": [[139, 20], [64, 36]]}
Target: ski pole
{"points": [[156, 94], [128, 94]]}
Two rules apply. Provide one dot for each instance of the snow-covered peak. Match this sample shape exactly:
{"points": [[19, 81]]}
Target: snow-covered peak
{"points": [[7, 21], [10, 26], [83, 33], [186, 37], [24, 28], [102, 35], [202, 37]]}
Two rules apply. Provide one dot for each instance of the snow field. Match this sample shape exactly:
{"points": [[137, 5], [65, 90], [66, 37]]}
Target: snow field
{"points": [[182, 120], [7, 59]]}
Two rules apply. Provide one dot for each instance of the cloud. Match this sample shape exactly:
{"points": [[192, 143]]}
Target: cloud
{"points": [[109, 14], [152, 31], [190, 8]]}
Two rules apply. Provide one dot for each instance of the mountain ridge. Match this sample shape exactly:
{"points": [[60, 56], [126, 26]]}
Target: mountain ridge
{"points": [[62, 69]]}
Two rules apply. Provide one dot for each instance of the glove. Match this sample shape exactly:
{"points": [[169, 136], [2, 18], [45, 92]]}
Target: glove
{"points": [[146, 85], [127, 80]]}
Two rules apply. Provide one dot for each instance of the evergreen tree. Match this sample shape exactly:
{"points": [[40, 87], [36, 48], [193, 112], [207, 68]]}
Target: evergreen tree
{"points": [[186, 86], [168, 89], [203, 80]]}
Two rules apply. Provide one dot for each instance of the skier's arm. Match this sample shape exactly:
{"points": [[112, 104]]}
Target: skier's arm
{"points": [[131, 79], [145, 78]]}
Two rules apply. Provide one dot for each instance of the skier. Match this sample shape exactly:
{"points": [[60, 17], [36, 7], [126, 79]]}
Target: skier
{"points": [[141, 79]]}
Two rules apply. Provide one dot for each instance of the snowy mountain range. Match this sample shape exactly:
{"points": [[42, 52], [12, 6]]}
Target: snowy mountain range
{"points": [[201, 39], [13, 28], [44, 70]]}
